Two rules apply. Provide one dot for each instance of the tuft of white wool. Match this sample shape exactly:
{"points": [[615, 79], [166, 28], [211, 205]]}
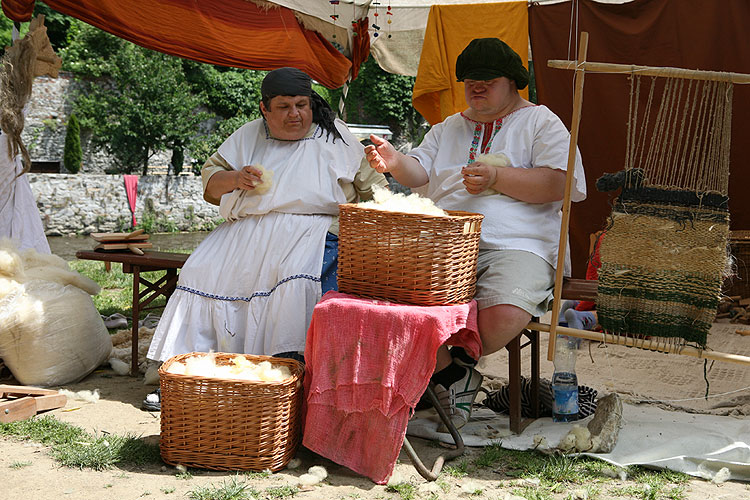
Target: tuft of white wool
{"points": [[722, 476], [152, 374], [266, 180], [294, 463], [119, 367], [11, 264], [495, 160], [388, 201], [87, 396], [308, 480], [578, 439], [319, 471]]}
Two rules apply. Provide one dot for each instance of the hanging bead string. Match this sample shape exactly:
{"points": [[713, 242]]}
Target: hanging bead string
{"points": [[389, 13], [375, 21], [334, 16], [354, 19]]}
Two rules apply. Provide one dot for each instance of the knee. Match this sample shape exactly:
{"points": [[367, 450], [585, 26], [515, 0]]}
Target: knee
{"points": [[500, 324]]}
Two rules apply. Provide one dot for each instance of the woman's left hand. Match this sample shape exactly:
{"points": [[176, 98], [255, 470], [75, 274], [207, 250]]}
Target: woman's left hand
{"points": [[478, 177]]}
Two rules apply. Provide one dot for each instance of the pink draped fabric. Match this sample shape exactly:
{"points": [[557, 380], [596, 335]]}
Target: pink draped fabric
{"points": [[367, 364], [131, 189]]}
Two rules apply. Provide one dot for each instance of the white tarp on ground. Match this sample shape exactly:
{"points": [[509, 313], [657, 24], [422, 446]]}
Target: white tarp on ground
{"points": [[697, 444]]}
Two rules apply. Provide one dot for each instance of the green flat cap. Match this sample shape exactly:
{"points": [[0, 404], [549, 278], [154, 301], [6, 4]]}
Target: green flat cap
{"points": [[488, 58]]}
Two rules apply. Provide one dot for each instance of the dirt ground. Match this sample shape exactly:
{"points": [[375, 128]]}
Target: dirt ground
{"points": [[674, 382]]}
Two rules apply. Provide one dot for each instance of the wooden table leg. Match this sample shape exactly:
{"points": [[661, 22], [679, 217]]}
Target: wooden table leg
{"points": [[136, 318]]}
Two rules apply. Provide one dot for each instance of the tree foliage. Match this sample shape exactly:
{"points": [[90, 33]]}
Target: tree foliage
{"points": [[381, 98], [140, 104], [72, 154]]}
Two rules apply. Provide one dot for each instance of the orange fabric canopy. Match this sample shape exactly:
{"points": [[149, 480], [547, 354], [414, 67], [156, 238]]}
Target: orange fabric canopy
{"points": [[234, 33], [450, 28]]}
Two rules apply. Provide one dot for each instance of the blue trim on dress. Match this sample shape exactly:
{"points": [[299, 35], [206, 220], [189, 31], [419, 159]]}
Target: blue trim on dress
{"points": [[256, 294]]}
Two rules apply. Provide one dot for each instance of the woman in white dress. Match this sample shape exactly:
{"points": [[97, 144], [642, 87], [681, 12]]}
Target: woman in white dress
{"points": [[251, 285]]}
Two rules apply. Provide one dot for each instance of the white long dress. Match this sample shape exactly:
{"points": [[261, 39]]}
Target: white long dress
{"points": [[19, 216], [251, 285]]}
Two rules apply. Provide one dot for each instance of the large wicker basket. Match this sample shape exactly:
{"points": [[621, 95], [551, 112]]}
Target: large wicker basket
{"points": [[408, 258], [224, 424], [739, 284]]}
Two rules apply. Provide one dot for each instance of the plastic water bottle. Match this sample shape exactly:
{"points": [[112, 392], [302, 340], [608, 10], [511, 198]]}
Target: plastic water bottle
{"points": [[565, 381]]}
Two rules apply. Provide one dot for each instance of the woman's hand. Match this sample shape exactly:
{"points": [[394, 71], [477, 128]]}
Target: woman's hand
{"points": [[248, 177], [382, 156], [478, 177]]}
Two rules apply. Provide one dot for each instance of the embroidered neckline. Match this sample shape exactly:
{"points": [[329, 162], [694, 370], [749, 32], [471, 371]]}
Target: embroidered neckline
{"points": [[479, 127], [310, 136]]}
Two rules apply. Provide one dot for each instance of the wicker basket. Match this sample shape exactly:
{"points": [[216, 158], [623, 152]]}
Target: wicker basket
{"points": [[408, 258], [224, 424], [739, 284]]}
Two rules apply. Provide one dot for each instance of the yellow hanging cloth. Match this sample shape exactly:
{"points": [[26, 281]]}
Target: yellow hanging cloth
{"points": [[449, 30]]}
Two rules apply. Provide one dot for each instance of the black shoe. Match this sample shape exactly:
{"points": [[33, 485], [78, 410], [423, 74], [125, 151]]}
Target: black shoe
{"points": [[152, 401]]}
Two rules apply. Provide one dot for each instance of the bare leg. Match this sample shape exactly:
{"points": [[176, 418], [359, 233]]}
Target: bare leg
{"points": [[500, 324]]}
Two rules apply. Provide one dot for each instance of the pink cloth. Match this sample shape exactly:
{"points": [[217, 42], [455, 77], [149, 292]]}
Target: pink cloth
{"points": [[367, 362], [131, 189]]}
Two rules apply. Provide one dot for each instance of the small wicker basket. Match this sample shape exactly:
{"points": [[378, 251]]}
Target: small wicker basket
{"points": [[739, 284], [224, 424], [408, 258]]}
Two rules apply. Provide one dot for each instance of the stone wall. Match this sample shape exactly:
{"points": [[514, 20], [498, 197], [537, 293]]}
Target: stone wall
{"points": [[46, 124], [83, 204]]}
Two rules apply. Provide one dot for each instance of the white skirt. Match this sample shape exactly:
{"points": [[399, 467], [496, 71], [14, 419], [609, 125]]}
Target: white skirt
{"points": [[250, 287]]}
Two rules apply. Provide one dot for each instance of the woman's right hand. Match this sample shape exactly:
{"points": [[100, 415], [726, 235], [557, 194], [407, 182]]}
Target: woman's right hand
{"points": [[248, 177], [382, 156]]}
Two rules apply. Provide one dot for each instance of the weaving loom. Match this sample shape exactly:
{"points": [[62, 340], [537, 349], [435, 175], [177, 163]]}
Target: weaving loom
{"points": [[665, 254]]}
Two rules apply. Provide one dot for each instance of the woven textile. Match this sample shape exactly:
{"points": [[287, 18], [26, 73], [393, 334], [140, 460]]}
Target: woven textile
{"points": [[663, 260], [367, 363]]}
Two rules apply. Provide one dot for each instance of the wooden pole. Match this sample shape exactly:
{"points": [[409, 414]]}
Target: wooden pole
{"points": [[569, 175], [651, 345], [667, 72]]}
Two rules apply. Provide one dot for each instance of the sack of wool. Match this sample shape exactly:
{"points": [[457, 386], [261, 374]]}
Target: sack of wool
{"points": [[50, 332]]}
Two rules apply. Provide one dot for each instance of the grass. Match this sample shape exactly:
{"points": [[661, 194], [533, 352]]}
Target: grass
{"points": [[232, 489], [74, 447]]}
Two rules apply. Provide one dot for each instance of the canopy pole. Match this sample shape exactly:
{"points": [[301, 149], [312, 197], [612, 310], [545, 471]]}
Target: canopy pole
{"points": [[650, 344], [569, 175]]}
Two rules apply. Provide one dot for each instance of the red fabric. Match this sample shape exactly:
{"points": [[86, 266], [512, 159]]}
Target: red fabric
{"points": [[592, 273], [367, 364], [234, 33], [131, 189]]}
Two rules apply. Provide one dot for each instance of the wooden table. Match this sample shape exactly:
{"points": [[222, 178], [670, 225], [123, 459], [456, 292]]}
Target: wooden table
{"points": [[135, 265]]}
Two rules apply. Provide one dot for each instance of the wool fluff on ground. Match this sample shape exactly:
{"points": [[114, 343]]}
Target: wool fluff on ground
{"points": [[384, 199], [50, 331]]}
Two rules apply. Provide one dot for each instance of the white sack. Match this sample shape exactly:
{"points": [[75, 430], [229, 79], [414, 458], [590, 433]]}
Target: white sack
{"points": [[50, 331]]}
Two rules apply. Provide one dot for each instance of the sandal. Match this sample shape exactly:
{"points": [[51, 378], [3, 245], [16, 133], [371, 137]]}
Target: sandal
{"points": [[152, 402]]}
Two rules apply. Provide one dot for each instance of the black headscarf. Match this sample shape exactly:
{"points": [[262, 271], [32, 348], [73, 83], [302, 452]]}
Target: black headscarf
{"points": [[294, 82]]}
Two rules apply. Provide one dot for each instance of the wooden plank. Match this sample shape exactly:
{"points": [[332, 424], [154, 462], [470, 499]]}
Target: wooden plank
{"points": [[123, 246], [137, 234], [51, 402], [22, 390], [17, 409], [666, 72]]}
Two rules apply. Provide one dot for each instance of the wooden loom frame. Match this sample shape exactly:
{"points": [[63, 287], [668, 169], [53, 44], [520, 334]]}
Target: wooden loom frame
{"points": [[581, 66]]}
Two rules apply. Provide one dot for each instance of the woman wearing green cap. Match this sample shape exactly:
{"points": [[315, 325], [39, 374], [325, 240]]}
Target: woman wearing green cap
{"points": [[503, 157]]}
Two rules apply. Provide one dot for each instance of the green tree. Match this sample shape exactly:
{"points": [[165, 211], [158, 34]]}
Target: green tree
{"points": [[136, 102], [72, 154], [380, 98]]}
